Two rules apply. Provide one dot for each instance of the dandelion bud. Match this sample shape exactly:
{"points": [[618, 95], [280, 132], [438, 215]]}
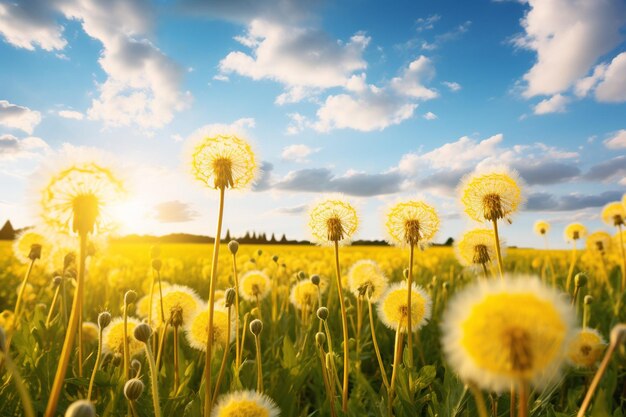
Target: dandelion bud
{"points": [[35, 251], [155, 252], [3, 340], [233, 246], [229, 297], [322, 313], [405, 273], [56, 281], [253, 260], [446, 286], [275, 258], [588, 299], [301, 275], [320, 339], [81, 408], [259, 252], [284, 265], [133, 389], [329, 360], [176, 316], [157, 264], [618, 334], [580, 280], [315, 279], [143, 332], [255, 312], [135, 366], [351, 343], [130, 297], [68, 260], [104, 319], [256, 326]]}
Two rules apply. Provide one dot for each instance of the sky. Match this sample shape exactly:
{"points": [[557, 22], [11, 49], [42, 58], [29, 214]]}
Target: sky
{"points": [[380, 101]]}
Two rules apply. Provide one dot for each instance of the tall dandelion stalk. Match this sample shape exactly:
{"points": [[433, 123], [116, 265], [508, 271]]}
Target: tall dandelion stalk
{"points": [[541, 228], [413, 224], [77, 199], [104, 319], [233, 247], [334, 221], [142, 333], [490, 197], [573, 233], [614, 214], [220, 162]]}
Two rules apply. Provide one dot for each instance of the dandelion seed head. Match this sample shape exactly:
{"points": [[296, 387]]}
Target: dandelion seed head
{"points": [[541, 227], [586, 348], [90, 332], [113, 337], [599, 242], [178, 299], [575, 231], [254, 284], [411, 223], [491, 195], [23, 245], [197, 330], [245, 404], [333, 220], [366, 277], [224, 161], [393, 307], [502, 332], [476, 247], [614, 214], [304, 294]]}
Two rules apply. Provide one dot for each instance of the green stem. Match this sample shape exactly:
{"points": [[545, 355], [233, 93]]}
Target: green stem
{"points": [[220, 375], [20, 296], [96, 366], [153, 380], [259, 365], [27, 403], [376, 348], [496, 238], [344, 325], [478, 398]]}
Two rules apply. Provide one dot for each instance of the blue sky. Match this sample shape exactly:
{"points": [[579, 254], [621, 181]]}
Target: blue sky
{"points": [[380, 101]]}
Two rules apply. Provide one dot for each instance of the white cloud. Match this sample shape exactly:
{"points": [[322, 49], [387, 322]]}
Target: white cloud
{"points": [[71, 114], [429, 116], [18, 117], [613, 86], [28, 24], [221, 77], [12, 147], [426, 23], [297, 152], [453, 86], [142, 85], [617, 140], [295, 57], [554, 104], [239, 127], [297, 124], [568, 37], [411, 82]]}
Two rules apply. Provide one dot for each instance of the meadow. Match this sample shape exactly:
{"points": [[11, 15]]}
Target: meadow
{"points": [[291, 364]]}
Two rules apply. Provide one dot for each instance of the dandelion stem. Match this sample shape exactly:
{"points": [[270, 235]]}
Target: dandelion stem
{"points": [[27, 403], [479, 399], [572, 264], [259, 365], [20, 296], [621, 245], [496, 238], [68, 343], [212, 286], [237, 344], [375, 343], [397, 353], [220, 375], [344, 325], [176, 361], [52, 305], [126, 348], [359, 324], [522, 403], [162, 344], [153, 380], [243, 333], [331, 398], [409, 318], [96, 366]]}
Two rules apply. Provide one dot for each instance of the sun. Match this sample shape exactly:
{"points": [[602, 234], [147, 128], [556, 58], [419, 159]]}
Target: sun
{"points": [[133, 217]]}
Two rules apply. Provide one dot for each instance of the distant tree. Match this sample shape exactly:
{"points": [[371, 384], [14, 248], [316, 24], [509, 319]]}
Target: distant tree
{"points": [[283, 239], [7, 232], [449, 242], [273, 238], [227, 238]]}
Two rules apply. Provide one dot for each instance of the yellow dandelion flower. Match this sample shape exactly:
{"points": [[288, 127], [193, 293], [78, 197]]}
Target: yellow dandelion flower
{"points": [[27, 241], [333, 220], [614, 214], [7, 320], [510, 331], [224, 161], [393, 308], [599, 242], [476, 247], [491, 196], [586, 348], [575, 231], [113, 337], [90, 332], [541, 227], [245, 404], [176, 297], [411, 223], [197, 329], [365, 277], [80, 197], [304, 294], [254, 284]]}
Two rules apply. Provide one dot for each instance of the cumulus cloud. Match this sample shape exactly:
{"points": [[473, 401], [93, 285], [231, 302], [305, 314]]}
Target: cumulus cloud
{"points": [[243, 11], [297, 152], [549, 202], [612, 88], [264, 178], [18, 117], [31, 23], [555, 104], [12, 147], [174, 212], [617, 140], [568, 38], [545, 172], [612, 170], [71, 114]]}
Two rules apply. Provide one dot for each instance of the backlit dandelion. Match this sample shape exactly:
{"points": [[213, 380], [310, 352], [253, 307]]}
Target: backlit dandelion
{"points": [[245, 404], [113, 337], [614, 214], [599, 241], [365, 277], [31, 243], [492, 196], [476, 248], [411, 223], [177, 297], [573, 233], [541, 227], [586, 348], [304, 295], [393, 308], [254, 286], [510, 332], [197, 330]]}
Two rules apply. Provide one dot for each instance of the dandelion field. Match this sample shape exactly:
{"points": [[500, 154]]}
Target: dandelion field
{"points": [[92, 327]]}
